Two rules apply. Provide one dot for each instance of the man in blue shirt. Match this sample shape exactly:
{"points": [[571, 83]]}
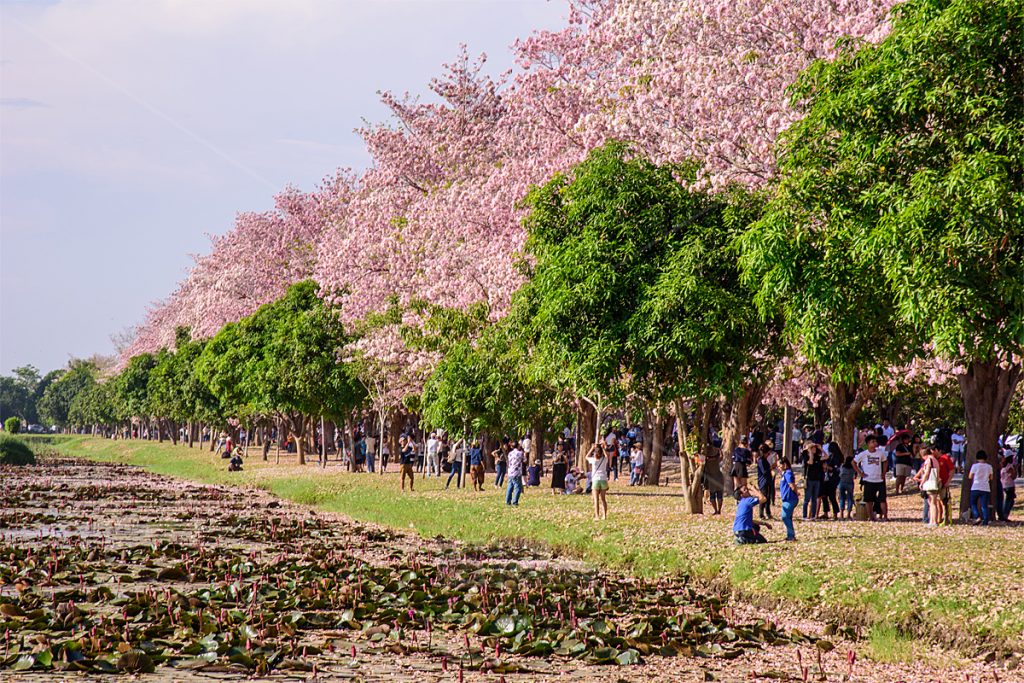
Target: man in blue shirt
{"points": [[745, 528]]}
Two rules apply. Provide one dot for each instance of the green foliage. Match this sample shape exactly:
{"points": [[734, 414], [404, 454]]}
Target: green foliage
{"points": [[55, 405], [282, 359], [131, 387], [14, 451], [900, 210], [634, 288], [483, 384], [95, 404], [12, 425]]}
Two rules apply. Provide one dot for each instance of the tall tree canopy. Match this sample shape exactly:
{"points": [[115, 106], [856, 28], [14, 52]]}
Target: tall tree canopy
{"points": [[634, 290], [900, 208]]}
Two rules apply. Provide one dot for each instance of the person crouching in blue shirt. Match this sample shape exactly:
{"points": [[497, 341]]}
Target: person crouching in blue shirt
{"points": [[745, 528]]}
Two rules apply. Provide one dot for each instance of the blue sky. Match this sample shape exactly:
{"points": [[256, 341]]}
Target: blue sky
{"points": [[129, 131]]}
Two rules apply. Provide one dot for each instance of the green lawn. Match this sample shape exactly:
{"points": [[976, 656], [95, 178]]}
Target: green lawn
{"points": [[898, 578]]}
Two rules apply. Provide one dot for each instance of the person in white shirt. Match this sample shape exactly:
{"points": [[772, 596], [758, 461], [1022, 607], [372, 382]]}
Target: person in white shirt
{"points": [[956, 450], [871, 465], [432, 463], [636, 465], [981, 476], [598, 459]]}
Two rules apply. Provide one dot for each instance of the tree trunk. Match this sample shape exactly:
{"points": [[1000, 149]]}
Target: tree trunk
{"points": [[987, 390], [297, 426], [328, 436], [265, 437], [173, 429], [690, 468], [536, 443], [653, 461], [587, 416], [737, 416], [394, 431], [648, 437], [845, 402]]}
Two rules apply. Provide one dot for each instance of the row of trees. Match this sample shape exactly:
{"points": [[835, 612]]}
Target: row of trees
{"points": [[877, 242]]}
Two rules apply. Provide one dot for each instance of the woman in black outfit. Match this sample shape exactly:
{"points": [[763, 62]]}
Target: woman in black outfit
{"points": [[558, 471], [830, 481]]}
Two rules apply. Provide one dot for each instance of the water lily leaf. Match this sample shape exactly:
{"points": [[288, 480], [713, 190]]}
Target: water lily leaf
{"points": [[505, 625], [24, 663], [628, 657], [603, 655]]}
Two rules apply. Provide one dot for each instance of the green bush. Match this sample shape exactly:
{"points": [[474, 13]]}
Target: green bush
{"points": [[14, 451], [12, 425]]}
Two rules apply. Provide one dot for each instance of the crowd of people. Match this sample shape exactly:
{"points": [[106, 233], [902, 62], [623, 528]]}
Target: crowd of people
{"points": [[821, 480], [830, 479]]}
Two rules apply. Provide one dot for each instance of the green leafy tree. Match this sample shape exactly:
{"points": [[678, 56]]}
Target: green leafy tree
{"points": [[55, 405], [131, 389], [900, 208], [94, 406], [15, 399], [198, 403], [634, 290], [283, 360], [484, 383]]}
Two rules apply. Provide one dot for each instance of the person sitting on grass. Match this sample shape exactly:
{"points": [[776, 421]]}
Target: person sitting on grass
{"points": [[745, 529], [235, 464]]}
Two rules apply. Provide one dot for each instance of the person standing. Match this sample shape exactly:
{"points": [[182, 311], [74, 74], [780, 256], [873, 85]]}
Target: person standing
{"points": [[433, 462], [598, 459], [788, 496], [476, 466], [407, 460], [847, 480], [559, 468], [814, 473], [904, 461], [453, 456], [714, 479], [1008, 480], [741, 460], [636, 465], [371, 451], [765, 481], [981, 477], [946, 469], [500, 455], [871, 466], [958, 441], [930, 481], [515, 477]]}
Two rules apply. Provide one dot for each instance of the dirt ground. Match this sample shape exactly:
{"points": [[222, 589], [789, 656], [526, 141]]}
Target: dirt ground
{"points": [[204, 582]]}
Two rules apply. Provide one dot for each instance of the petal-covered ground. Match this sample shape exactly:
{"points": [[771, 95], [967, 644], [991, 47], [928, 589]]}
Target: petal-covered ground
{"points": [[108, 569]]}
